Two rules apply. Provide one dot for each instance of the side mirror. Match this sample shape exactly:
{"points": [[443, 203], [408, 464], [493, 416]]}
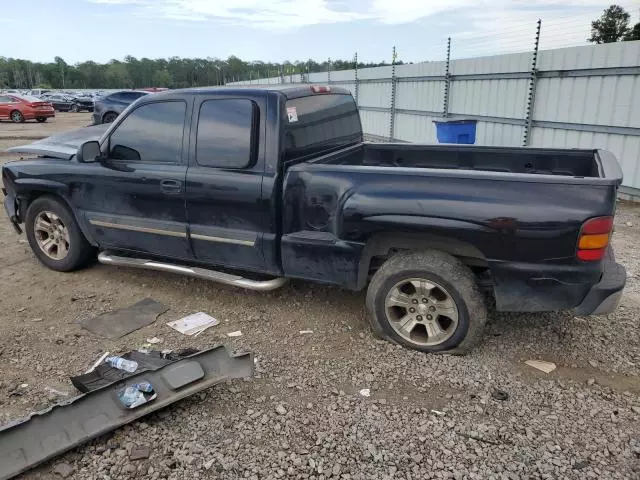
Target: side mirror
{"points": [[89, 152]]}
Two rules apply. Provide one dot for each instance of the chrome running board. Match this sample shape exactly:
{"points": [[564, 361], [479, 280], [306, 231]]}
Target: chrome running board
{"points": [[197, 272]]}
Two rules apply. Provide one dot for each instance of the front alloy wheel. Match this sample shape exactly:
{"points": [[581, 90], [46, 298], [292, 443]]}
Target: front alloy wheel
{"points": [[51, 235]]}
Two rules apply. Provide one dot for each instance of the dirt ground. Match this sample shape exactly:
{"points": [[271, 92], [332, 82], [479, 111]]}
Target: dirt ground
{"points": [[580, 421]]}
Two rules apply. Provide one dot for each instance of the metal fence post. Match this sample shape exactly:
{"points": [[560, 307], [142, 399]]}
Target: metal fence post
{"points": [[531, 96], [329, 70], [447, 81], [356, 77], [392, 109]]}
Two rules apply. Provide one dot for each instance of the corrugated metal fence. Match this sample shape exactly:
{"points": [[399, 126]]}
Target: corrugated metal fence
{"points": [[580, 97]]}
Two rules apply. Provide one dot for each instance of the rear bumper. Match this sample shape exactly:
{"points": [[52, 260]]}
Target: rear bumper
{"points": [[603, 298], [582, 287]]}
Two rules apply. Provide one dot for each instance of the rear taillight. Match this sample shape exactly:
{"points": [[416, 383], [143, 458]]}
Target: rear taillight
{"points": [[594, 238]]}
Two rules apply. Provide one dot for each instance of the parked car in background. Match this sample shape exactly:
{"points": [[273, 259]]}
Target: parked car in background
{"points": [[19, 108], [107, 109], [37, 92], [62, 102], [85, 102]]}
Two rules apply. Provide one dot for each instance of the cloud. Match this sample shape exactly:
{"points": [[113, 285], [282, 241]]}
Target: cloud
{"points": [[476, 16]]}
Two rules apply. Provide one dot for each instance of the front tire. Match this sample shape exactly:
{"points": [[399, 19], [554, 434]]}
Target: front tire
{"points": [[109, 117], [54, 235], [74, 108], [17, 117], [427, 301]]}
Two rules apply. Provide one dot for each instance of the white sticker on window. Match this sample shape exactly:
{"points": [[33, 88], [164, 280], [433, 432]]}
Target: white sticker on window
{"points": [[292, 113]]}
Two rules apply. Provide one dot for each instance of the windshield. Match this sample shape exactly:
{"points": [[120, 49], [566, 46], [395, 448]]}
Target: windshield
{"points": [[320, 122]]}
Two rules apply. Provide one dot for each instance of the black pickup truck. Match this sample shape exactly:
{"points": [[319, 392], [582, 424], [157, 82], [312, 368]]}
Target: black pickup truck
{"points": [[249, 186]]}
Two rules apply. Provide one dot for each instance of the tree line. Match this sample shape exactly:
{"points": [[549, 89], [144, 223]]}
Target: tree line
{"points": [[135, 72], [613, 26]]}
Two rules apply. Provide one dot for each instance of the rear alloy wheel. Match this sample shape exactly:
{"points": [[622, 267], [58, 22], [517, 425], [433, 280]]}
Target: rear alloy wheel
{"points": [[41, 119], [109, 117], [74, 108], [427, 301], [17, 117], [421, 311]]}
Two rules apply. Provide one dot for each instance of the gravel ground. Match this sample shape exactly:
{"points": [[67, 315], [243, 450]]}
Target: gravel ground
{"points": [[428, 416]]}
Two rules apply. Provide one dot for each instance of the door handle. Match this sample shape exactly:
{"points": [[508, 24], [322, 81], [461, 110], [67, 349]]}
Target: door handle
{"points": [[171, 186]]}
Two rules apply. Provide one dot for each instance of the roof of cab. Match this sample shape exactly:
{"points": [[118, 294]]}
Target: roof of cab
{"points": [[289, 91]]}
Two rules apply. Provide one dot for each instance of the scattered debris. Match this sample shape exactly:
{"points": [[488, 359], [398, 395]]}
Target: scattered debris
{"points": [[591, 381], [365, 392], [98, 362], [546, 367], [132, 396], [477, 438], [64, 470], [139, 453], [37, 438], [629, 224], [237, 333], [280, 410], [35, 320], [154, 340], [122, 363], [580, 464], [75, 298], [438, 412], [21, 309], [57, 392], [193, 324], [500, 395], [306, 332], [123, 321]]}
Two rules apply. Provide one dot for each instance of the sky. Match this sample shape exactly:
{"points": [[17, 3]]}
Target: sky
{"points": [[279, 30]]}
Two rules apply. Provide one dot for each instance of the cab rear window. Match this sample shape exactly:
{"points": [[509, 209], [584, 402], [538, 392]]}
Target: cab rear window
{"points": [[320, 122]]}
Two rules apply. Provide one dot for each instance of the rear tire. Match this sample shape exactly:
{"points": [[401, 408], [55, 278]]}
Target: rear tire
{"points": [[109, 117], [41, 119], [16, 116], [427, 301], [54, 235]]}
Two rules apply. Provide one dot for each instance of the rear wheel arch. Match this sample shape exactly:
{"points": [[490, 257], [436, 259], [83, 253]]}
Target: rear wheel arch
{"points": [[382, 246]]}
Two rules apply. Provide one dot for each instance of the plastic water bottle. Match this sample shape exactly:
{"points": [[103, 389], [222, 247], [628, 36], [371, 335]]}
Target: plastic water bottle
{"points": [[122, 364], [131, 397]]}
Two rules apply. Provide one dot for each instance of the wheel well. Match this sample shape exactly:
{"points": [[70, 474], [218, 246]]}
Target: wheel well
{"points": [[381, 247], [107, 113], [29, 198]]}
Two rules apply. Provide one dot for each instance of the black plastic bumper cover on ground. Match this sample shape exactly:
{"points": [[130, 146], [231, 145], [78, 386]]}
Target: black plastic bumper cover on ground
{"points": [[46, 434]]}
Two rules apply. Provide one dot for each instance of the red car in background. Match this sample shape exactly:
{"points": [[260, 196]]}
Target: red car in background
{"points": [[19, 108]]}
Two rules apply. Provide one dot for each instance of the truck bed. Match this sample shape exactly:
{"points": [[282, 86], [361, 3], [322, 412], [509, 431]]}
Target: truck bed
{"points": [[511, 160]]}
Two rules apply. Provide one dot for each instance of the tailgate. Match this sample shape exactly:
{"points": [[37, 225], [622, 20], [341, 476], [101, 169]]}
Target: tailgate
{"points": [[608, 166]]}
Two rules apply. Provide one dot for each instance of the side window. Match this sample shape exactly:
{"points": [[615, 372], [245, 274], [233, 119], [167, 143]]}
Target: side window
{"points": [[151, 133], [5, 99], [225, 133]]}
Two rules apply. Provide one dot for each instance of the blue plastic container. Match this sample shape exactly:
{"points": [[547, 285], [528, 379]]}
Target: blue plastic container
{"points": [[456, 131]]}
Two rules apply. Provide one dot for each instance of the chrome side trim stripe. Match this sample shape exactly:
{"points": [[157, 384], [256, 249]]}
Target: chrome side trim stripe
{"points": [[247, 243], [133, 228], [170, 233]]}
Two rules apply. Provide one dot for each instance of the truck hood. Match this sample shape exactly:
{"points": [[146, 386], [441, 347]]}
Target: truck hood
{"points": [[64, 145]]}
